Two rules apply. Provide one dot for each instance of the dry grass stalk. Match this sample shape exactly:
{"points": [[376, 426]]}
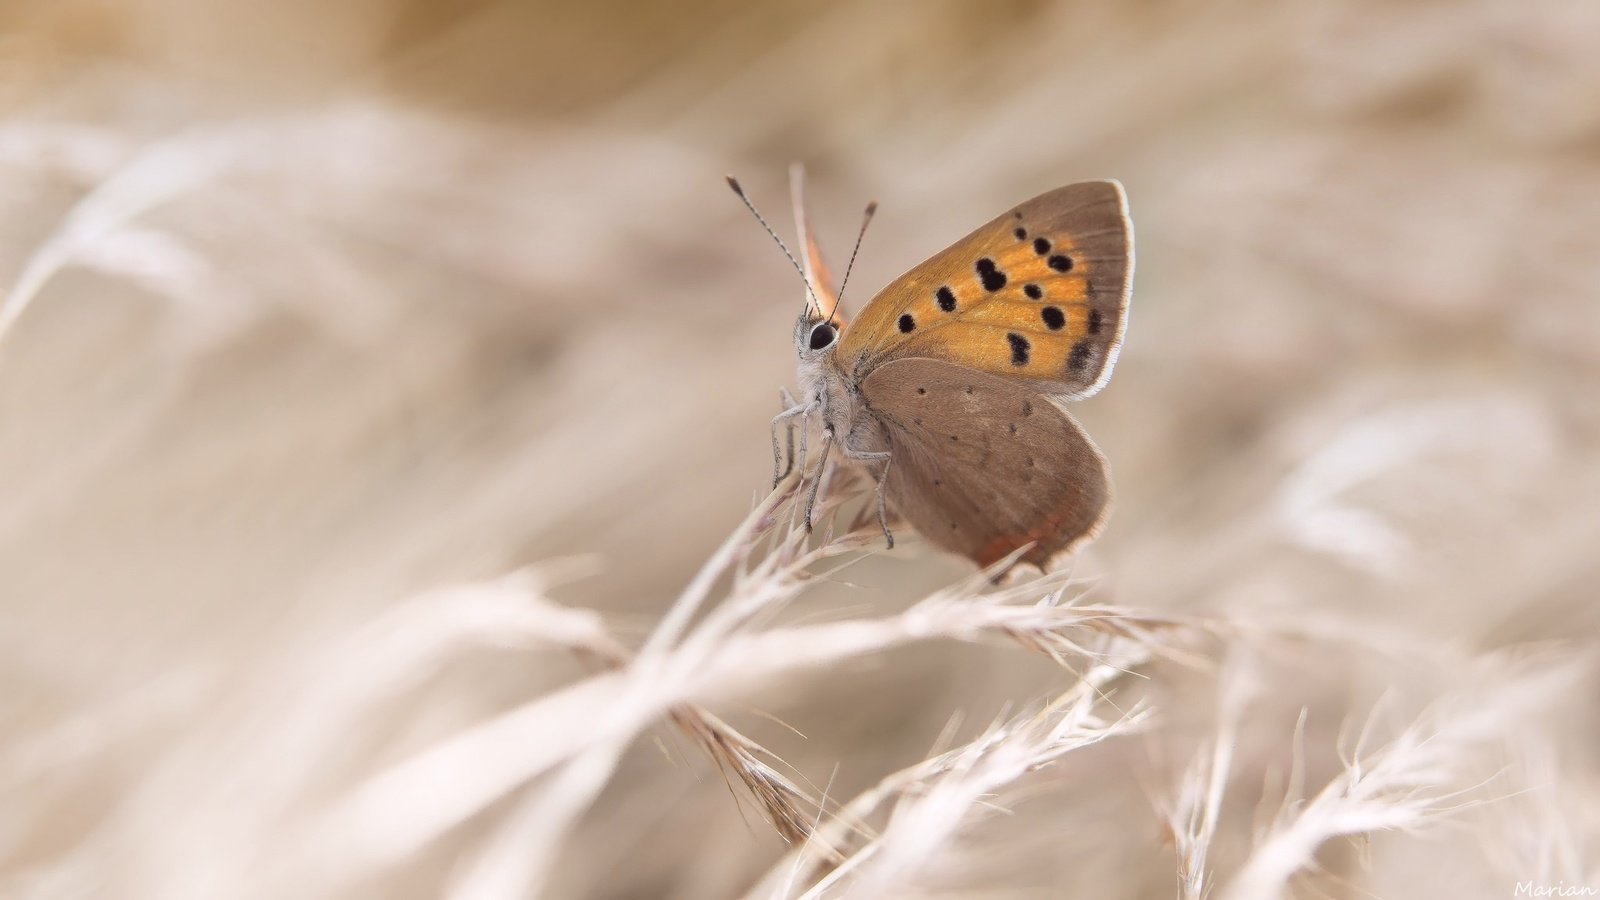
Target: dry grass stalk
{"points": [[934, 798], [1195, 807], [1425, 774], [719, 652]]}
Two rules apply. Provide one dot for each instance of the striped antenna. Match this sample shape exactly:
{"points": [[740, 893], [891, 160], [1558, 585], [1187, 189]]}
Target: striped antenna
{"points": [[815, 303], [866, 219]]}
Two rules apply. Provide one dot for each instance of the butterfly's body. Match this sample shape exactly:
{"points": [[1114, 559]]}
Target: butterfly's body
{"points": [[948, 384]]}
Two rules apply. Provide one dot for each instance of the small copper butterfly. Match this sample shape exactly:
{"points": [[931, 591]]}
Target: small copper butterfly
{"points": [[947, 384]]}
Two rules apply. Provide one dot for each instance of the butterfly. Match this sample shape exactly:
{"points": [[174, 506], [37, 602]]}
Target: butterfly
{"points": [[948, 384]]}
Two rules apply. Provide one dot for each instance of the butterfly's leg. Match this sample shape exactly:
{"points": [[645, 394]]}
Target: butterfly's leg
{"points": [[785, 418], [883, 476], [811, 498], [883, 515], [786, 400], [805, 422]]}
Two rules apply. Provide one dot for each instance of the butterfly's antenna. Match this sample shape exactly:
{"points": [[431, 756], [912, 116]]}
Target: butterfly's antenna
{"points": [[734, 183], [865, 220]]}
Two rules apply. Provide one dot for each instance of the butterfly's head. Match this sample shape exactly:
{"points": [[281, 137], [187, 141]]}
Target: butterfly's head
{"points": [[814, 337]]}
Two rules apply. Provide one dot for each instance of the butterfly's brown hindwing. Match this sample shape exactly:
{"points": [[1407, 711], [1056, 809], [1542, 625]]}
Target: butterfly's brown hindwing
{"points": [[984, 465], [1039, 293]]}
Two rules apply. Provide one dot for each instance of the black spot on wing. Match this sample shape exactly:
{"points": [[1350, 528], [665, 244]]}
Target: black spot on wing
{"points": [[993, 279], [1054, 318], [947, 299], [1019, 348], [1033, 291], [1041, 246], [1060, 263], [907, 323], [1078, 359], [1020, 233]]}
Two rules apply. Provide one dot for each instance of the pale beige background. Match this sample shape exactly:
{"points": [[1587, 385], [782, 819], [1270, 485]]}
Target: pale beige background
{"points": [[312, 307]]}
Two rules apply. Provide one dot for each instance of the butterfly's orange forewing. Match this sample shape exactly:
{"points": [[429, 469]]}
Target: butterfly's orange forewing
{"points": [[1039, 293], [818, 276]]}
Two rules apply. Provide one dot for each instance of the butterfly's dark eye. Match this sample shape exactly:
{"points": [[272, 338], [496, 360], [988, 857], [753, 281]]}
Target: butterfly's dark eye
{"points": [[821, 336]]}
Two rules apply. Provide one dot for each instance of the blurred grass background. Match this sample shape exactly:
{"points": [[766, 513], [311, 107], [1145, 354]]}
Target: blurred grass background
{"points": [[314, 306]]}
